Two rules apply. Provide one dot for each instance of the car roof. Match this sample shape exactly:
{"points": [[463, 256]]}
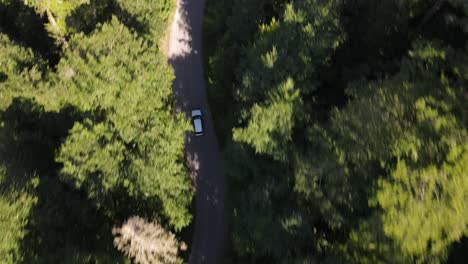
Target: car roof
{"points": [[196, 112], [197, 123]]}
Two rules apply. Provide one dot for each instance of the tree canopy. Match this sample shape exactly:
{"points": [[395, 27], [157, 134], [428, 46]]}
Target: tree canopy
{"points": [[346, 136], [89, 135]]}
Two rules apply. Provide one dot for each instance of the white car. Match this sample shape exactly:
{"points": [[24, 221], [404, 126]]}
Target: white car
{"points": [[197, 122]]}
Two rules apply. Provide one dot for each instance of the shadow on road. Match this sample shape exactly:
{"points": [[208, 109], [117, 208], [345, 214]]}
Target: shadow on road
{"points": [[202, 153]]}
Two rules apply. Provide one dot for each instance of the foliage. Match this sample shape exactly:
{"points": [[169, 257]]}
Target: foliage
{"points": [[301, 42], [19, 72], [345, 135], [270, 127], [29, 137], [134, 141], [415, 138], [88, 131], [155, 15], [273, 114], [16, 206]]}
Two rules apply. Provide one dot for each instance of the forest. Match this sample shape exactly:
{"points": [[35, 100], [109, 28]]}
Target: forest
{"points": [[343, 126], [91, 150]]}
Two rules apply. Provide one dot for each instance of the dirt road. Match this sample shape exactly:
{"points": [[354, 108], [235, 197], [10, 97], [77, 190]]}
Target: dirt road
{"points": [[185, 47]]}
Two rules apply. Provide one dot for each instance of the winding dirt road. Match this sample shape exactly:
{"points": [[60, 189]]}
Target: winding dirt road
{"points": [[202, 152]]}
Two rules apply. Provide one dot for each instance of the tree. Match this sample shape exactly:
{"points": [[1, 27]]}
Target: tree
{"points": [[278, 76], [134, 142], [90, 127], [338, 112], [425, 209], [269, 128], [146, 242], [275, 92], [411, 129]]}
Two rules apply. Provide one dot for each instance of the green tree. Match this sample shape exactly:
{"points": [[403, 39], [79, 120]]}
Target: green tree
{"points": [[331, 114], [278, 77], [275, 94], [16, 205], [412, 128], [132, 140], [97, 130], [20, 70]]}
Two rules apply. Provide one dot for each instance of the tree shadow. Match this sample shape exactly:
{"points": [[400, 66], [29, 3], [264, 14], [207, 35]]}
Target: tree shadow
{"points": [[86, 17], [23, 25], [442, 26], [376, 39], [182, 55], [379, 34], [30, 135], [458, 252], [63, 226]]}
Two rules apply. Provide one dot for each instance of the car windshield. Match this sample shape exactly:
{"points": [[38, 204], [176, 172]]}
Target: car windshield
{"points": [[196, 113]]}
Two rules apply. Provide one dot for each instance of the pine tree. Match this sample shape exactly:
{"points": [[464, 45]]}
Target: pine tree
{"points": [[133, 139], [409, 134], [279, 74]]}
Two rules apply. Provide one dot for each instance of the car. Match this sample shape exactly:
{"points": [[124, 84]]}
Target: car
{"points": [[197, 122]]}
